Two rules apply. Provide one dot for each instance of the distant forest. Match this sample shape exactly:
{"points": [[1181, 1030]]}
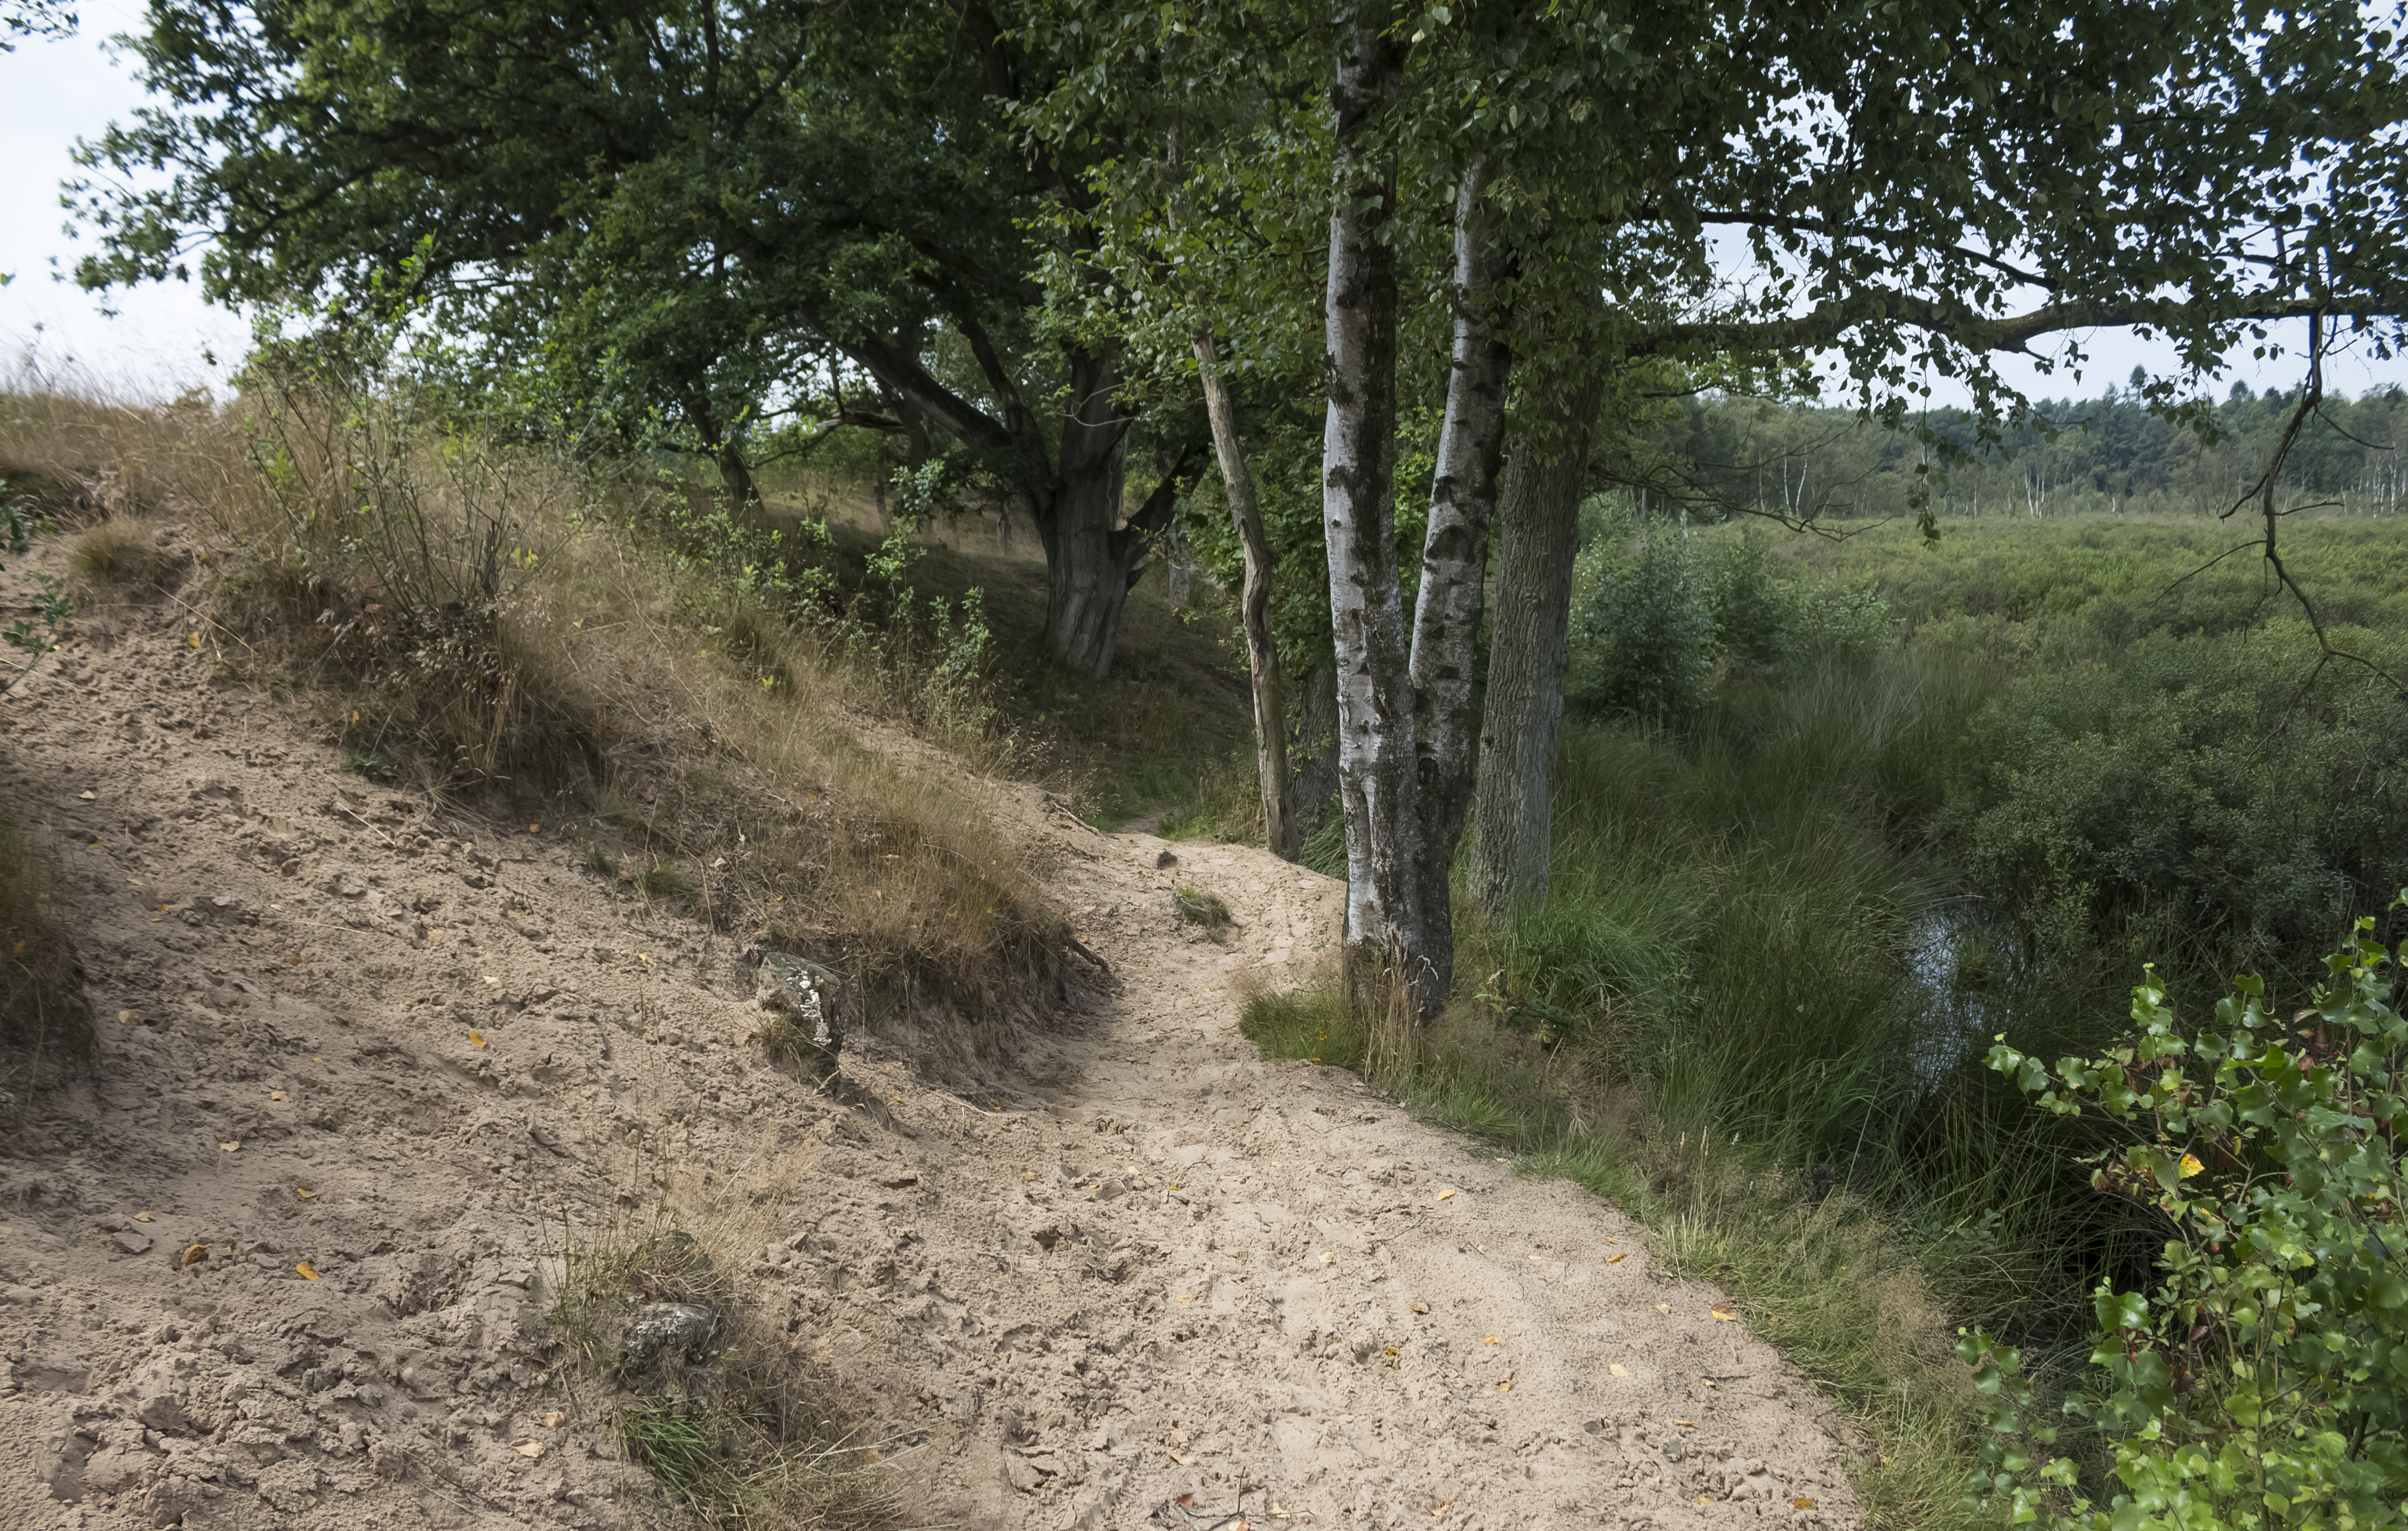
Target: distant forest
{"points": [[1720, 455]]}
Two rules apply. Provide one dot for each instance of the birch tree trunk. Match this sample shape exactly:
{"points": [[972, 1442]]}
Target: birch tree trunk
{"points": [[1254, 605], [1529, 643], [1358, 513], [1455, 568]]}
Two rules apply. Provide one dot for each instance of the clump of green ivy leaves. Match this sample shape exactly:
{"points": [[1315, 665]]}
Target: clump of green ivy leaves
{"points": [[2263, 1378]]}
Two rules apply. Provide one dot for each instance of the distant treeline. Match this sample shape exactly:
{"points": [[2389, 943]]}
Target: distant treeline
{"points": [[1721, 454]]}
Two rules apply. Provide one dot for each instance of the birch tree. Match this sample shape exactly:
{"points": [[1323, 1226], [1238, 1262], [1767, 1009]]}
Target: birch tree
{"points": [[1901, 194]]}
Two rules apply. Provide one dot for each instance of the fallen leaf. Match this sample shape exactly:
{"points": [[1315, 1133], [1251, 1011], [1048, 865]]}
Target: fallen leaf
{"points": [[141, 1217], [533, 828], [1801, 1504], [130, 1017], [1448, 1191], [1618, 1369], [193, 1254], [477, 1039], [1186, 1501], [229, 1145], [554, 1419], [1614, 1259], [1490, 1340], [84, 797], [1613, 1241], [303, 1192], [1182, 1461], [1683, 1425], [1185, 1298], [1420, 1306], [1705, 1499], [276, 1094], [1723, 1311], [493, 980], [1505, 1386], [1663, 1308], [1326, 1257], [309, 1272], [529, 1449]]}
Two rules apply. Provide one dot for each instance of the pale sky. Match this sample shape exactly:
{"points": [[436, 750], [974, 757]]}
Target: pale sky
{"points": [[52, 92]]}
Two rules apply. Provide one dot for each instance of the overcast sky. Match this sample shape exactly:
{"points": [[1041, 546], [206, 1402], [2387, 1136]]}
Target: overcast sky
{"points": [[52, 92]]}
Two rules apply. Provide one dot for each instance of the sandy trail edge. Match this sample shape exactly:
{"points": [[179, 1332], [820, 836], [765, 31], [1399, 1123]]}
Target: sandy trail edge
{"points": [[1182, 1272]]}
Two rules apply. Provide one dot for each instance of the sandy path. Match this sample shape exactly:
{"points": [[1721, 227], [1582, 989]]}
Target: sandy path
{"points": [[1185, 1272], [1258, 1293]]}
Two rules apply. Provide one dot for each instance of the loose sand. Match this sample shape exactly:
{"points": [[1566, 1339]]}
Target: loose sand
{"points": [[1174, 1285]]}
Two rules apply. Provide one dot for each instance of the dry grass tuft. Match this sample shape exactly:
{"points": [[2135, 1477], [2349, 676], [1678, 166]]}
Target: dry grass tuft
{"points": [[744, 1434], [122, 559]]}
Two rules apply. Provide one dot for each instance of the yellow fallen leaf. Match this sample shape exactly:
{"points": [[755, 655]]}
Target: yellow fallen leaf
{"points": [[194, 639], [317, 1060], [1683, 1425], [1448, 1191], [276, 1094], [1723, 1311], [1490, 1340], [303, 1192], [229, 1144], [307, 1271], [130, 1017], [1505, 1386], [1420, 1306], [193, 1254], [84, 797], [1663, 1308], [1326, 1257], [495, 981], [1705, 1499], [1618, 1369], [529, 1449], [554, 1419], [1614, 1259], [1801, 1504], [477, 1039], [141, 1217], [533, 828], [1185, 1298]]}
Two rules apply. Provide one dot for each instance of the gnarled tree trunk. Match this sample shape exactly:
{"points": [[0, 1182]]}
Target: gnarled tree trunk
{"points": [[1529, 643], [1254, 606], [1088, 563]]}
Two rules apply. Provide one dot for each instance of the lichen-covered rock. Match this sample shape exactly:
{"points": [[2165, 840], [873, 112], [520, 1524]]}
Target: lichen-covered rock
{"points": [[803, 995], [665, 1329]]}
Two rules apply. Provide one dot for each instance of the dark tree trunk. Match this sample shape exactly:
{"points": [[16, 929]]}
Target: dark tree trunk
{"points": [[1454, 569], [1312, 748], [1529, 643], [1358, 516], [1088, 562], [1254, 605]]}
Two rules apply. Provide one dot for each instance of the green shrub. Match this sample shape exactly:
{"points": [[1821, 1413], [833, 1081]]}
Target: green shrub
{"points": [[2262, 1377], [2221, 800], [1642, 622]]}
